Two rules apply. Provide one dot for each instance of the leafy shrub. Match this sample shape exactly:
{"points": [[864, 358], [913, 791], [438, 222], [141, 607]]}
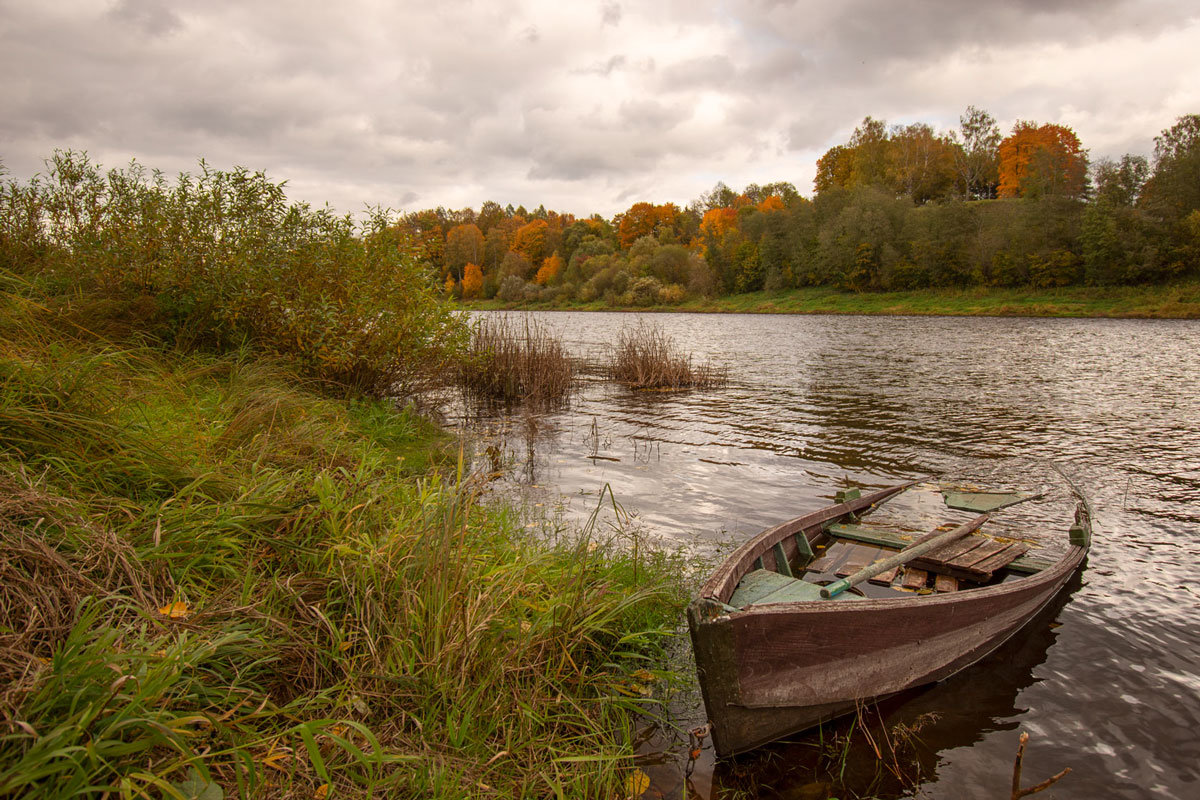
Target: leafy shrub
{"points": [[229, 262], [644, 291], [512, 288], [672, 294]]}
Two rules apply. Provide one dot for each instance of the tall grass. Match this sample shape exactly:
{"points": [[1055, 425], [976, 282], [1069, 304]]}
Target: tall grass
{"points": [[645, 357], [512, 360], [215, 580]]}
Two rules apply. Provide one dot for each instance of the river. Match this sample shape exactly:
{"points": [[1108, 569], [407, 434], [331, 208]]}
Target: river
{"points": [[1107, 682]]}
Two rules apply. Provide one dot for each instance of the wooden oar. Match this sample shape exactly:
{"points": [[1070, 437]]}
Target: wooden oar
{"points": [[918, 548]]}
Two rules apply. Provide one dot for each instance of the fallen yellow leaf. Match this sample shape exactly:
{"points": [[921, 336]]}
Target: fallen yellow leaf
{"points": [[636, 783], [322, 792], [176, 610]]}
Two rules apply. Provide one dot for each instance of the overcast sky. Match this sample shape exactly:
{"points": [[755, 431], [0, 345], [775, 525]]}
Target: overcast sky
{"points": [[585, 106]]}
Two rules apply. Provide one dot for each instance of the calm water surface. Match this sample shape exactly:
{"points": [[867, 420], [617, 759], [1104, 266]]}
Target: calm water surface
{"points": [[1106, 682]]}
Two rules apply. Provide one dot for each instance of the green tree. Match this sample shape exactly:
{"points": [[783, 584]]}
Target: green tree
{"points": [[976, 158]]}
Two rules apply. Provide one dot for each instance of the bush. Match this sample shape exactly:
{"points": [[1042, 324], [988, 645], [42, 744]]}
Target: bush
{"points": [[512, 288], [644, 291], [672, 294], [229, 261]]}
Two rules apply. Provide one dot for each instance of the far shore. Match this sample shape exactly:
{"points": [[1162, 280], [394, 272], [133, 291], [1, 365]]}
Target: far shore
{"points": [[1176, 301]]}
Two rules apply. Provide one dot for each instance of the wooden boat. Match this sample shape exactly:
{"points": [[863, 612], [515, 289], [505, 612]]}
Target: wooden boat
{"points": [[774, 656]]}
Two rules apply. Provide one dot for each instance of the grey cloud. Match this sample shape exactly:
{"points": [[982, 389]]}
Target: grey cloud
{"points": [[150, 16], [610, 13]]}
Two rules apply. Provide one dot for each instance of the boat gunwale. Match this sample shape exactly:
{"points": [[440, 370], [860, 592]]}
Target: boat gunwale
{"points": [[724, 579]]}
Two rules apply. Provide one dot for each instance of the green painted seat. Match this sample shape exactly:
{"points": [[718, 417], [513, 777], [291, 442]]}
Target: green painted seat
{"points": [[762, 586]]}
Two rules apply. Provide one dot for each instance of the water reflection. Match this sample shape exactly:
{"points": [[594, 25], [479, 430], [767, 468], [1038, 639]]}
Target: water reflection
{"points": [[818, 402]]}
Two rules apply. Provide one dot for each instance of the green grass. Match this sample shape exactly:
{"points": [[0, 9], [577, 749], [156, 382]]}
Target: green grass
{"points": [[216, 580], [1179, 301]]}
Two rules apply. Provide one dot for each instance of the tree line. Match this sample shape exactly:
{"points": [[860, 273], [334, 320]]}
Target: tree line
{"points": [[895, 208]]}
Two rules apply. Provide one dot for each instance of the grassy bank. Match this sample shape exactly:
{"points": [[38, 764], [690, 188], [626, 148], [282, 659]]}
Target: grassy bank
{"points": [[216, 580], [1180, 301]]}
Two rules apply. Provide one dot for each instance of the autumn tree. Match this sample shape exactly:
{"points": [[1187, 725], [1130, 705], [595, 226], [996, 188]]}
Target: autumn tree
{"points": [[530, 241], [472, 281], [977, 159], [497, 241], [551, 267], [647, 219], [1040, 160], [718, 221], [464, 245]]}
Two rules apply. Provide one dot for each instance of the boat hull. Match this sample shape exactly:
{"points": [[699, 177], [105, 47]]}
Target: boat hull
{"points": [[773, 670]]}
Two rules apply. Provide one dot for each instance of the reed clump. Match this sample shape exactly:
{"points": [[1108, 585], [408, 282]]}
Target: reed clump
{"points": [[645, 357], [513, 360]]}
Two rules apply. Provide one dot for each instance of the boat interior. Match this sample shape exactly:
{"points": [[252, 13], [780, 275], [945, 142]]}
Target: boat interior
{"points": [[1004, 547]]}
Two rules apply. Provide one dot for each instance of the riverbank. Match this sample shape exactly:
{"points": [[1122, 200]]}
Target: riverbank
{"points": [[218, 580], [1179, 301]]}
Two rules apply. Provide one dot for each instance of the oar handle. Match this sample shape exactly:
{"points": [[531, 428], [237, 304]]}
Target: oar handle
{"points": [[922, 547]]}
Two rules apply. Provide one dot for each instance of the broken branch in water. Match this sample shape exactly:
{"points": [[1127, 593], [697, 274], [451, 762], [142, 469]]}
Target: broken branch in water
{"points": [[1017, 791]]}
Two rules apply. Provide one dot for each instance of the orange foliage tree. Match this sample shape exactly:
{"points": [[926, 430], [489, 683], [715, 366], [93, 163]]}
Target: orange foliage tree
{"points": [[718, 221], [772, 202], [549, 269], [647, 219], [1037, 160], [530, 241], [472, 282]]}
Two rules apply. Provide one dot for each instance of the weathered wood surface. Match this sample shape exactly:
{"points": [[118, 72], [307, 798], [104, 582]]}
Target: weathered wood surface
{"points": [[936, 540], [886, 577], [724, 580], [945, 583], [894, 539]]}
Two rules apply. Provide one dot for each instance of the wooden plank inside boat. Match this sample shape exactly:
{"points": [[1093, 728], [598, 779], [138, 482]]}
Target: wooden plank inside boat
{"points": [[859, 557], [976, 564], [915, 578], [886, 577], [757, 584], [945, 583]]}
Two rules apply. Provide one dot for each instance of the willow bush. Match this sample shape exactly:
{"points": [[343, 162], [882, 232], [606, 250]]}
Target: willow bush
{"points": [[221, 258]]}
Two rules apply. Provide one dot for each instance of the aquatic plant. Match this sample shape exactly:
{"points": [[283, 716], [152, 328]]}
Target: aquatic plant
{"points": [[645, 357], [516, 360]]}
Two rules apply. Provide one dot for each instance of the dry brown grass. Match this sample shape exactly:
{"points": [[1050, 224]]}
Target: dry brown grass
{"points": [[645, 357]]}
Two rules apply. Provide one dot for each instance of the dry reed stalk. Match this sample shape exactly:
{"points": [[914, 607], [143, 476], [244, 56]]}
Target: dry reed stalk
{"points": [[517, 361], [645, 357]]}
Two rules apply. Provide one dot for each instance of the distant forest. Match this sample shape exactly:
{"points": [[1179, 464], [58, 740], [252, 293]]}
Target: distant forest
{"points": [[896, 207]]}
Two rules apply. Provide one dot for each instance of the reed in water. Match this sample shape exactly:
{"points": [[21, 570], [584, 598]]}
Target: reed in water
{"points": [[516, 360], [645, 357]]}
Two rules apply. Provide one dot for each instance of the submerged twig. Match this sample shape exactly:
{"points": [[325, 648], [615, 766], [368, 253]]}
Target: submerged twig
{"points": [[1017, 791]]}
